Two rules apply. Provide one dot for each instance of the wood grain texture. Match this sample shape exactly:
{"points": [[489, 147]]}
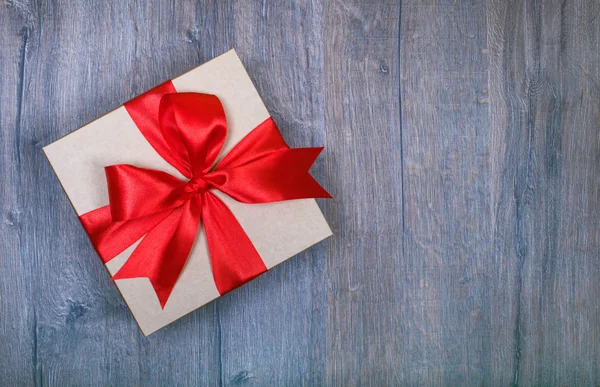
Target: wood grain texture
{"points": [[17, 315], [447, 220], [364, 168], [545, 150], [462, 148]]}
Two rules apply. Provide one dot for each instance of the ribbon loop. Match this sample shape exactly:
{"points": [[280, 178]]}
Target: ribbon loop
{"points": [[136, 192], [195, 128], [188, 130]]}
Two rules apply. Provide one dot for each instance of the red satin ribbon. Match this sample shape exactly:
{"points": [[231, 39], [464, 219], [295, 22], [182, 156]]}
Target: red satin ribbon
{"points": [[188, 130]]}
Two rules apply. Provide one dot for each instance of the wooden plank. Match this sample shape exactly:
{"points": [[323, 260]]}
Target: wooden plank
{"points": [[544, 85], [17, 316], [79, 315], [446, 269], [364, 170], [273, 329]]}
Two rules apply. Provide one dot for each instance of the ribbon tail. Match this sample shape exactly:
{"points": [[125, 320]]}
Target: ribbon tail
{"points": [[297, 162], [276, 176], [111, 238], [162, 254], [233, 257]]}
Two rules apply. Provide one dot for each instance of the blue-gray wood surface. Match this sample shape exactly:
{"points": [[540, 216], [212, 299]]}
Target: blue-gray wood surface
{"points": [[462, 148]]}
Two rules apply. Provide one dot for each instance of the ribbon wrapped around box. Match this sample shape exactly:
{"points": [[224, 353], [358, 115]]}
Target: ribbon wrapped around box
{"points": [[157, 215]]}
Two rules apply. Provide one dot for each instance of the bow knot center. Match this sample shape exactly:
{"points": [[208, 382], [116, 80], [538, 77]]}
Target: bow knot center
{"points": [[197, 185]]}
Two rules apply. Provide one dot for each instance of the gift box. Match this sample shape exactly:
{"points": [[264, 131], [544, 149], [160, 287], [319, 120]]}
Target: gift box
{"points": [[189, 191]]}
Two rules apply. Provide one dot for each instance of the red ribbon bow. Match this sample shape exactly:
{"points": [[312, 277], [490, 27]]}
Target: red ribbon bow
{"points": [[188, 130]]}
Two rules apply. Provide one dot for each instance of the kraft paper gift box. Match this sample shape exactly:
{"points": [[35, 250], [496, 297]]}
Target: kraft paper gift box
{"points": [[278, 230]]}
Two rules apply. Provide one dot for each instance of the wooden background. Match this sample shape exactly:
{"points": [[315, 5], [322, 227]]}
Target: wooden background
{"points": [[462, 148]]}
